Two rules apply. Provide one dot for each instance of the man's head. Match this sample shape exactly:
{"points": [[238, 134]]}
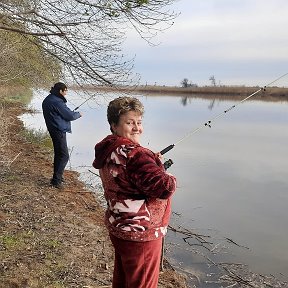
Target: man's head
{"points": [[59, 88]]}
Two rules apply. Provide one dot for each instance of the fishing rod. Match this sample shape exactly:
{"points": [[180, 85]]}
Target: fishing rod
{"points": [[169, 162], [84, 102]]}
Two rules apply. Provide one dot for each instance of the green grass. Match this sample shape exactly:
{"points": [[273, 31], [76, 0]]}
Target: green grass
{"points": [[10, 241], [38, 136], [20, 94], [53, 243]]}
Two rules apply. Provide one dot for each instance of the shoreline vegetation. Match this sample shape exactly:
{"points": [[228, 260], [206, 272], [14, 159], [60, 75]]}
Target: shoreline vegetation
{"points": [[273, 93]]}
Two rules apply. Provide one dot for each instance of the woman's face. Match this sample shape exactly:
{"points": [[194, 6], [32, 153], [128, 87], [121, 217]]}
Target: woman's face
{"points": [[129, 126]]}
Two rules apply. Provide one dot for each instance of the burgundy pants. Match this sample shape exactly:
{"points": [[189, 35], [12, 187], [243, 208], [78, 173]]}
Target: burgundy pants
{"points": [[136, 264]]}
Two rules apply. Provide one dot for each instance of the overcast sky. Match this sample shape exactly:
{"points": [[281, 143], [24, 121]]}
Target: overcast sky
{"points": [[239, 42]]}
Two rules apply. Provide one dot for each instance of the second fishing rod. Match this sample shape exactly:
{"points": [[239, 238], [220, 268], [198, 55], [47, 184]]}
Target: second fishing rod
{"points": [[208, 124]]}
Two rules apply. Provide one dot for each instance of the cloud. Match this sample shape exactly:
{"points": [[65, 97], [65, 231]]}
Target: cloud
{"points": [[218, 36]]}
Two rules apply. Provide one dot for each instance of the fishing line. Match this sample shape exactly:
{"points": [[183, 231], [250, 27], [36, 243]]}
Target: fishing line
{"points": [[112, 89], [84, 102], [209, 123]]}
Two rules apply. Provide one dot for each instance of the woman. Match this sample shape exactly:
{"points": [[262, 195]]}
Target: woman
{"points": [[58, 119], [138, 191]]}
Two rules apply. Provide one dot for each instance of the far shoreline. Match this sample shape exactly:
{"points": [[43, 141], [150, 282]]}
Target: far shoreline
{"points": [[210, 92]]}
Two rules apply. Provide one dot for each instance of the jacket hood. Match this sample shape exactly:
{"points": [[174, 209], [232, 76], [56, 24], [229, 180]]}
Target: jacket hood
{"points": [[104, 148]]}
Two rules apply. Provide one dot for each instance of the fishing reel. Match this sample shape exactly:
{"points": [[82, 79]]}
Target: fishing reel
{"points": [[167, 164]]}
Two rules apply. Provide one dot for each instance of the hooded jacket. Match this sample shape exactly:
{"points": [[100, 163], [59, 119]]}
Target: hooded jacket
{"points": [[56, 113], [137, 189]]}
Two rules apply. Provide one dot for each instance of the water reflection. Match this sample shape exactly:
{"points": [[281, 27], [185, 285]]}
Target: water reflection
{"points": [[232, 178], [211, 105], [187, 100], [184, 100]]}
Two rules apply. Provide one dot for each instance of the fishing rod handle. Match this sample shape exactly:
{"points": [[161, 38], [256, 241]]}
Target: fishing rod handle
{"points": [[167, 164], [168, 148]]}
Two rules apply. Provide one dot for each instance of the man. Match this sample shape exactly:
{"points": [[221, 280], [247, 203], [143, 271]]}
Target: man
{"points": [[58, 119]]}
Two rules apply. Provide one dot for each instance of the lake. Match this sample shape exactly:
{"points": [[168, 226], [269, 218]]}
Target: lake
{"points": [[232, 177]]}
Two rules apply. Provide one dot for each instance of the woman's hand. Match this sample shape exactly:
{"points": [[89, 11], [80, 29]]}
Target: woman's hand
{"points": [[160, 156]]}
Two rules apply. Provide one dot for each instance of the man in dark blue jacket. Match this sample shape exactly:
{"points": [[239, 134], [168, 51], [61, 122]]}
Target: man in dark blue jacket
{"points": [[58, 119]]}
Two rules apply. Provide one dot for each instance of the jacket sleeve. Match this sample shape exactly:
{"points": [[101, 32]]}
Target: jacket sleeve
{"points": [[66, 113], [146, 172]]}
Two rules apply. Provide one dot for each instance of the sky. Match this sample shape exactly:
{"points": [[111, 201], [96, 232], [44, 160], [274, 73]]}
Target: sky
{"points": [[239, 42]]}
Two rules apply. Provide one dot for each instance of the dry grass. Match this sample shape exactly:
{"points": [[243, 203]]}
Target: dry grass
{"points": [[210, 92], [5, 122]]}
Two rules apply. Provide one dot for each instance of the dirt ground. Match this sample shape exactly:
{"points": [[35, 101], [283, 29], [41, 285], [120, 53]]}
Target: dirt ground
{"points": [[50, 237]]}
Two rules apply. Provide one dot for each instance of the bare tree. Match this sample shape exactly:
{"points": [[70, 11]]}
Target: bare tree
{"points": [[86, 36], [213, 80], [184, 83]]}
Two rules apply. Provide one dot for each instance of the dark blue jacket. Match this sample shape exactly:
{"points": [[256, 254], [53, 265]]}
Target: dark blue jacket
{"points": [[56, 113]]}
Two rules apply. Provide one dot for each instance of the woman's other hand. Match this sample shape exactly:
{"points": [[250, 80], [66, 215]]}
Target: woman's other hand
{"points": [[160, 156]]}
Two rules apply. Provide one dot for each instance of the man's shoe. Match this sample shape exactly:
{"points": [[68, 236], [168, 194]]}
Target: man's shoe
{"points": [[53, 183], [56, 185]]}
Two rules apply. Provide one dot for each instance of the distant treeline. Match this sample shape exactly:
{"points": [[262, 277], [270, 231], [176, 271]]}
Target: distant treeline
{"points": [[227, 92], [214, 90]]}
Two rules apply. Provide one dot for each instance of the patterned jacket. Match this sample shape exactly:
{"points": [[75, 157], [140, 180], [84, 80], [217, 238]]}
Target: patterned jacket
{"points": [[137, 189]]}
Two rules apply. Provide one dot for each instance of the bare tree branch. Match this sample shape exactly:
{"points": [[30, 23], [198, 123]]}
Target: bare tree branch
{"points": [[86, 36], [29, 33]]}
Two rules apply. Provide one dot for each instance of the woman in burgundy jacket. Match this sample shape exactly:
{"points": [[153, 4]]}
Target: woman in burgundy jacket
{"points": [[138, 192]]}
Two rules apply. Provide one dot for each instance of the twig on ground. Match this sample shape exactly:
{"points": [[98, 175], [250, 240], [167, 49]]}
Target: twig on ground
{"points": [[93, 173]]}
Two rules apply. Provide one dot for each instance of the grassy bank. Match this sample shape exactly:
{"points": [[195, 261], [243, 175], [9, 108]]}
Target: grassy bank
{"points": [[211, 90], [218, 92]]}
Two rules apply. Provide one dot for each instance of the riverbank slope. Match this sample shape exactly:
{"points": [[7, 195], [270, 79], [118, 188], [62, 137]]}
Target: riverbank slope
{"points": [[50, 237]]}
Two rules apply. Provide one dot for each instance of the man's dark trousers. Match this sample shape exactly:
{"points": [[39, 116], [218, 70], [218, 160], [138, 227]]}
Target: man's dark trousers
{"points": [[61, 155]]}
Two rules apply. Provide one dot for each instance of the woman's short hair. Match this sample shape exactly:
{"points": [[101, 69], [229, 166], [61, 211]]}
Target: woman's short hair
{"points": [[122, 105]]}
